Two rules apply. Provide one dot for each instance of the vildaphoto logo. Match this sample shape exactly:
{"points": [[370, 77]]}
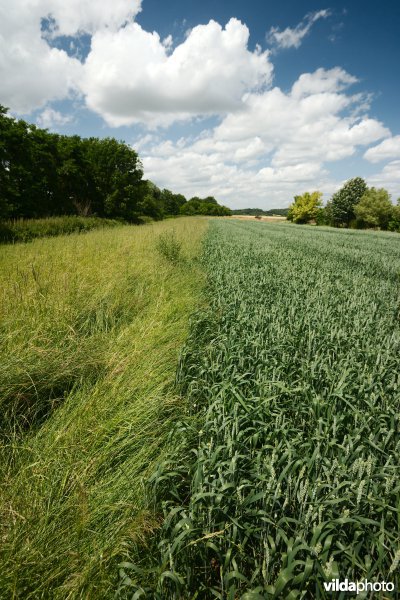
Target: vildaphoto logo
{"points": [[335, 585]]}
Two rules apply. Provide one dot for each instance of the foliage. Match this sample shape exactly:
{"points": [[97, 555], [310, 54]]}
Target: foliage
{"points": [[44, 174], [321, 216], [149, 207], [285, 472], [345, 200], [305, 208], [327, 216], [374, 209], [171, 202], [25, 230], [169, 246], [91, 328], [394, 223], [204, 206], [281, 212], [117, 173]]}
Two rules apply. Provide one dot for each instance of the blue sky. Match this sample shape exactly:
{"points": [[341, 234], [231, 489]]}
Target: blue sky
{"points": [[252, 102]]}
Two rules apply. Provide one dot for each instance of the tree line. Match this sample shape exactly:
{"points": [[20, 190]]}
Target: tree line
{"points": [[354, 205], [259, 212], [45, 174]]}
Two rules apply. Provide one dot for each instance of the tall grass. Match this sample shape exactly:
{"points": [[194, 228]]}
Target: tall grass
{"points": [[91, 330], [285, 474], [25, 230]]}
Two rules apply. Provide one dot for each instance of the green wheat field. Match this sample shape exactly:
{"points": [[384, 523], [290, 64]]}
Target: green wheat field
{"points": [[199, 408]]}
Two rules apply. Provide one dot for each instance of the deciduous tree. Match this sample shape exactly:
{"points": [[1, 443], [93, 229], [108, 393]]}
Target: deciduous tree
{"points": [[345, 199], [375, 208], [305, 208]]}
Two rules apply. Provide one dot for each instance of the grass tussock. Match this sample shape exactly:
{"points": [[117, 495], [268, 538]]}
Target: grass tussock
{"points": [[91, 330], [170, 247], [26, 230]]}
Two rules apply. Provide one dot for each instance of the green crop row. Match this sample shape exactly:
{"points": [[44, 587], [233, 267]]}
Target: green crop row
{"points": [[284, 472]]}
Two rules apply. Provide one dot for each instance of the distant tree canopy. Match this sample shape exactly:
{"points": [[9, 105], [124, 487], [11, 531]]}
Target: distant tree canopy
{"points": [[394, 223], [374, 209], [45, 174], [260, 212], [354, 205], [344, 201], [305, 208], [172, 203], [204, 206]]}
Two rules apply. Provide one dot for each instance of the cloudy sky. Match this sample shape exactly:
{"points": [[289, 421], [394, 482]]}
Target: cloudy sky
{"points": [[251, 102]]}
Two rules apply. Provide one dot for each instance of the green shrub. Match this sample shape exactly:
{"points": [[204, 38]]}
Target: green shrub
{"points": [[170, 247]]}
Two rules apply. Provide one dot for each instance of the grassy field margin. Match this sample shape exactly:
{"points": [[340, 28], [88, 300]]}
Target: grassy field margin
{"points": [[26, 230], [91, 331]]}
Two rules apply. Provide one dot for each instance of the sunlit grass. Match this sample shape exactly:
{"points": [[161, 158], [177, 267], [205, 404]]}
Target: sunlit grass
{"points": [[25, 230], [91, 331]]}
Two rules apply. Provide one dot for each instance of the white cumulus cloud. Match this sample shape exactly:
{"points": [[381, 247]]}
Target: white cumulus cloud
{"points": [[77, 16], [130, 76], [387, 149], [266, 144], [276, 147], [308, 125], [50, 118], [293, 37], [388, 178], [322, 81], [32, 72]]}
